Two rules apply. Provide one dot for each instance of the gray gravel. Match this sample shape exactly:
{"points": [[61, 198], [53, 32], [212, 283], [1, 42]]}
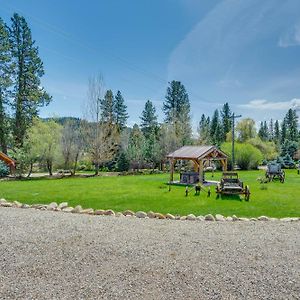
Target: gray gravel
{"points": [[54, 255]]}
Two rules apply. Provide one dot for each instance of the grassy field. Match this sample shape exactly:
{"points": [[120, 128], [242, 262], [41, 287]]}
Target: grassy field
{"points": [[149, 192]]}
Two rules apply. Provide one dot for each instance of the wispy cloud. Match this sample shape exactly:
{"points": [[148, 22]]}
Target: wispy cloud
{"points": [[291, 37], [262, 104]]}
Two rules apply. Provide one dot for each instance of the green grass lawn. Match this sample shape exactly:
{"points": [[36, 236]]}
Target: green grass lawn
{"points": [[149, 192]]}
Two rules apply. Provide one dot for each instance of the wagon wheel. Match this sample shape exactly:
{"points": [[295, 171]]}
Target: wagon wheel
{"points": [[247, 193], [218, 191], [282, 177]]}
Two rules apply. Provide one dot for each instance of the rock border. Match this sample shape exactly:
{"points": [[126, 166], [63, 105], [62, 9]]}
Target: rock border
{"points": [[63, 207]]}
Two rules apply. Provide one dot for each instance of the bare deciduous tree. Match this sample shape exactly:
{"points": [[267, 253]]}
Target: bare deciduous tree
{"points": [[102, 137]]}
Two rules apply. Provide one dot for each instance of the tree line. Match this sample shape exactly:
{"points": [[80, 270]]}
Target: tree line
{"points": [[101, 139]]}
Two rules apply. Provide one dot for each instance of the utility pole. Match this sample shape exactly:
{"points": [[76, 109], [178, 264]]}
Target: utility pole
{"points": [[233, 117]]}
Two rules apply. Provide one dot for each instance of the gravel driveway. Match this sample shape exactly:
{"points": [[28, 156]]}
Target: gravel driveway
{"points": [[53, 255]]}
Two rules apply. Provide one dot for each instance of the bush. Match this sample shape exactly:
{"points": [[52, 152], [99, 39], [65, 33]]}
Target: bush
{"points": [[4, 170], [247, 157], [122, 163]]}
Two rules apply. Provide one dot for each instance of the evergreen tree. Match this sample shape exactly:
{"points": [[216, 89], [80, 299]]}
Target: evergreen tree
{"points": [[149, 119], [177, 110], [5, 83], [122, 162], [283, 132], [204, 130], [120, 111], [135, 147], [226, 120], [28, 95], [291, 120], [263, 131], [107, 106], [276, 132], [271, 131], [216, 132]]}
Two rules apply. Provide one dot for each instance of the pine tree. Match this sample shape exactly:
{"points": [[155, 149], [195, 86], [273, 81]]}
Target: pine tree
{"points": [[271, 130], [204, 130], [291, 120], [276, 132], [107, 106], [216, 132], [283, 132], [177, 110], [120, 111], [28, 95], [226, 120], [5, 83], [135, 147], [149, 119], [263, 131]]}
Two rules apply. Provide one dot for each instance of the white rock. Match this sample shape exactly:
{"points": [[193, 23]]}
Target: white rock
{"points": [[140, 214], [159, 216], [289, 219], [68, 209], [77, 209], [200, 218], [263, 218], [235, 218], [63, 205], [128, 212], [229, 219], [88, 211], [191, 217], [119, 215], [2, 200], [52, 206], [17, 204], [209, 217], [26, 206], [109, 212], [7, 204], [170, 216], [151, 214], [220, 217], [183, 218], [253, 219], [244, 219]]}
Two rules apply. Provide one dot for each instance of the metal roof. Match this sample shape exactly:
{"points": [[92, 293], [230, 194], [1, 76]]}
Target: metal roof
{"points": [[194, 152]]}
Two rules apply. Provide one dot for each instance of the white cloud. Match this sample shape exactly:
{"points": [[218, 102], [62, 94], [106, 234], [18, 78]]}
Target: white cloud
{"points": [[290, 38], [262, 104]]}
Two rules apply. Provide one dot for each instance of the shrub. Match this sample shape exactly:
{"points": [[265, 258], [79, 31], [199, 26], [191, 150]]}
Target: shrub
{"points": [[246, 156], [4, 170]]}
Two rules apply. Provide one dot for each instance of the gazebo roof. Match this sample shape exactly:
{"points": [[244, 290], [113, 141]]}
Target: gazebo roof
{"points": [[197, 152], [9, 161]]}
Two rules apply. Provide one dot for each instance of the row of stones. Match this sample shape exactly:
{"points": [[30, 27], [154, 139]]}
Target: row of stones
{"points": [[53, 206]]}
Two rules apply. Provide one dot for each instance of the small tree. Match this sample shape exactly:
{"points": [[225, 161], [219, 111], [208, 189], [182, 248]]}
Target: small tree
{"points": [[4, 170], [122, 162]]}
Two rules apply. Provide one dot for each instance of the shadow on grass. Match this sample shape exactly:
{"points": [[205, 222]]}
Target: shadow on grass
{"points": [[230, 197]]}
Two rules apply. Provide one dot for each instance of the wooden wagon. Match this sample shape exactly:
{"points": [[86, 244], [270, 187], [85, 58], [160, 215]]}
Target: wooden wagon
{"points": [[274, 171], [230, 184]]}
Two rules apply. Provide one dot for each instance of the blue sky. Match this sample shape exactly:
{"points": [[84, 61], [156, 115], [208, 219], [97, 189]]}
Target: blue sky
{"points": [[245, 52]]}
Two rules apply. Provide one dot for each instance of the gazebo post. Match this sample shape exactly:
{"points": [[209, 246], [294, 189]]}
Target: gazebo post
{"points": [[172, 163], [201, 171]]}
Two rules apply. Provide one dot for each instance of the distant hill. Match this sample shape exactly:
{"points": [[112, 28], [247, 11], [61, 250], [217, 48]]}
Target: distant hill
{"points": [[63, 120]]}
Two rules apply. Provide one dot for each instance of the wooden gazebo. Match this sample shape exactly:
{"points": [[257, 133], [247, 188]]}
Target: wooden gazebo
{"points": [[199, 155]]}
